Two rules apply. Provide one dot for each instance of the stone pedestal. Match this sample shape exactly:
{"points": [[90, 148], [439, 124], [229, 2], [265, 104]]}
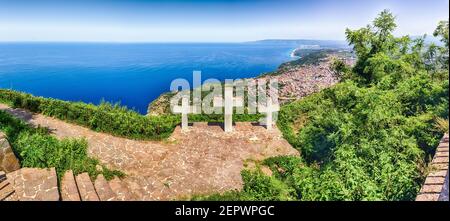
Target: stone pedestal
{"points": [[229, 102], [268, 109], [184, 110]]}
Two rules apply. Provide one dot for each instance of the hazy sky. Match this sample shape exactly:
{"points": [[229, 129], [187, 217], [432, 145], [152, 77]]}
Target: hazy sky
{"points": [[206, 21]]}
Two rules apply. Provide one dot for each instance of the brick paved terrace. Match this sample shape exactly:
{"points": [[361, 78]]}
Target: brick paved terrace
{"points": [[201, 161]]}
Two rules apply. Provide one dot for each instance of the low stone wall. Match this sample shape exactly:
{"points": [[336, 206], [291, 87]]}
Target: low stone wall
{"points": [[435, 187], [8, 161]]}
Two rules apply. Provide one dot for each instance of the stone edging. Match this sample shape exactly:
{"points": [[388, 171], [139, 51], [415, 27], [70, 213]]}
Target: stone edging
{"points": [[8, 161], [435, 187]]}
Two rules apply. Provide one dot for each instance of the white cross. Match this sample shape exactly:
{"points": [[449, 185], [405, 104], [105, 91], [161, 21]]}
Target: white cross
{"points": [[184, 110], [229, 104], [268, 110]]}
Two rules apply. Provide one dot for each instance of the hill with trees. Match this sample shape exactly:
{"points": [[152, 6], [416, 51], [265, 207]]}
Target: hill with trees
{"points": [[369, 137]]}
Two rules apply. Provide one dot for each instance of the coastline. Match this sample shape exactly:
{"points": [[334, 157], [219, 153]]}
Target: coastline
{"points": [[134, 74], [297, 78], [294, 54]]}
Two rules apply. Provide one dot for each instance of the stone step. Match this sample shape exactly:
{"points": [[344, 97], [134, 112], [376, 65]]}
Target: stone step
{"points": [[427, 197], [3, 184], [6, 190], [33, 184], [435, 184], [12, 197], [2, 176], [69, 189], [123, 193], [86, 188], [104, 191], [138, 186]]}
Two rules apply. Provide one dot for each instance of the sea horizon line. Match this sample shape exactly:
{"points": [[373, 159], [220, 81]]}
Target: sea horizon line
{"points": [[172, 42]]}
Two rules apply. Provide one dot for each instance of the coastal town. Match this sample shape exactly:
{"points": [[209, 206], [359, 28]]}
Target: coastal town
{"points": [[296, 80]]}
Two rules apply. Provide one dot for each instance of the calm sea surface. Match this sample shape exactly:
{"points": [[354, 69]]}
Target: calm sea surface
{"points": [[134, 74]]}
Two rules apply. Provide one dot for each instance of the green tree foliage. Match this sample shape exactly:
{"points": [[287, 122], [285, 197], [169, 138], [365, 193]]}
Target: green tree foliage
{"points": [[342, 70], [442, 31], [441, 56], [380, 53]]}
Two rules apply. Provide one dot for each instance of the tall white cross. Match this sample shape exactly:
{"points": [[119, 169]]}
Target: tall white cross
{"points": [[229, 104], [184, 110], [268, 110]]}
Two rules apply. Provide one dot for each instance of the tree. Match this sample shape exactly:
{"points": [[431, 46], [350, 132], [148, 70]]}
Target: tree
{"points": [[371, 40], [442, 32], [381, 54], [342, 70]]}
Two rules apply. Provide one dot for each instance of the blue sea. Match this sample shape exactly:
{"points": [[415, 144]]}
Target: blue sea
{"points": [[132, 74]]}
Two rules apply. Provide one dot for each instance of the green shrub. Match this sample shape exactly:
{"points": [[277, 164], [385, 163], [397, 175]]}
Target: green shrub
{"points": [[442, 125], [260, 187], [366, 143], [257, 187], [105, 117]]}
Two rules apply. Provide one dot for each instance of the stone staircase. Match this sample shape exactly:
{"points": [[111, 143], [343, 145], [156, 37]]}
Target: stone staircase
{"points": [[435, 187], [32, 184], [81, 188], [6, 189]]}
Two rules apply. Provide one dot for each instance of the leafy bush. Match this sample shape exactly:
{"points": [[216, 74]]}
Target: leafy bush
{"points": [[257, 187], [105, 117], [261, 187], [442, 125]]}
